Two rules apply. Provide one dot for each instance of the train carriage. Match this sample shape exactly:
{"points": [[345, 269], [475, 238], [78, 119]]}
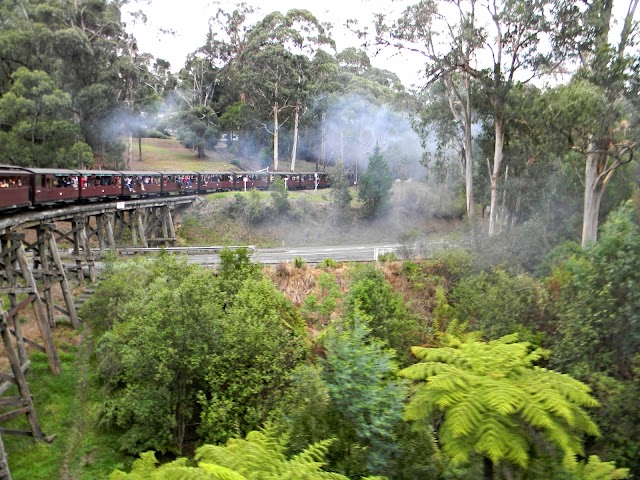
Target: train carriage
{"points": [[51, 186], [215, 181], [248, 180], [15, 188], [179, 182], [96, 184], [291, 180], [141, 183]]}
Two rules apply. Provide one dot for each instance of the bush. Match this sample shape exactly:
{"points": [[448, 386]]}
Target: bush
{"points": [[280, 196]]}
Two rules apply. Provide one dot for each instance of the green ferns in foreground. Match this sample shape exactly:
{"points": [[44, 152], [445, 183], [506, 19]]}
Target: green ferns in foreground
{"points": [[258, 457]]}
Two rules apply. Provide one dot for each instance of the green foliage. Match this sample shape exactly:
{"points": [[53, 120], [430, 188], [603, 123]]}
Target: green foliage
{"points": [[494, 401], [180, 346], [199, 129], [153, 358], [36, 131], [299, 262], [387, 257], [65, 405], [325, 299], [280, 196], [234, 269], [598, 301], [371, 300], [375, 184], [255, 211], [329, 263], [263, 339], [258, 457], [359, 374], [596, 469], [498, 303], [340, 195]]}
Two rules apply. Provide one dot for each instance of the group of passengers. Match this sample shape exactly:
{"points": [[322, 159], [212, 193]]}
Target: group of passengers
{"points": [[11, 182]]}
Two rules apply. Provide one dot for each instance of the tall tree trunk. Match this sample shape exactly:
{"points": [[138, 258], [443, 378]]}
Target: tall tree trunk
{"points": [[487, 470], [593, 190], [468, 149], [140, 146], [201, 152], [294, 150], [129, 150], [495, 174], [275, 137], [323, 143]]}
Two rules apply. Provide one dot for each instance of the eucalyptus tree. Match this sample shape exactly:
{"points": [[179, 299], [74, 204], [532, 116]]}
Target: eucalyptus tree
{"points": [[492, 46], [276, 63], [587, 33], [84, 48], [37, 129], [449, 44]]}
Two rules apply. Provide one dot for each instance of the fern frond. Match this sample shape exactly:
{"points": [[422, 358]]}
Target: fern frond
{"points": [[218, 472]]}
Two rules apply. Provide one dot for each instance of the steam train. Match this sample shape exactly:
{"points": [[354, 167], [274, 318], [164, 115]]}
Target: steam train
{"points": [[22, 187]]}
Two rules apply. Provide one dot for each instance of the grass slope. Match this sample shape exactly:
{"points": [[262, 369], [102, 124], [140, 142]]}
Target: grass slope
{"points": [[66, 406]]}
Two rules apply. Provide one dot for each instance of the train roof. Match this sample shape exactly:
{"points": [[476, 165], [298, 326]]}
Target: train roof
{"points": [[98, 172], [14, 170], [179, 173], [51, 171], [217, 173], [140, 173]]}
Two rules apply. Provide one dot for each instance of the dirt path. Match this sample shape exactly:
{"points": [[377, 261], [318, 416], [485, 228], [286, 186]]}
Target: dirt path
{"points": [[71, 464]]}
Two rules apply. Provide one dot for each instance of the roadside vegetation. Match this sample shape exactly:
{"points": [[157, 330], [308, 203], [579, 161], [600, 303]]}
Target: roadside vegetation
{"points": [[438, 367]]}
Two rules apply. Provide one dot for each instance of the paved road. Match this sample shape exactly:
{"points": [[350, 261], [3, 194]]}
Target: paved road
{"points": [[357, 253]]}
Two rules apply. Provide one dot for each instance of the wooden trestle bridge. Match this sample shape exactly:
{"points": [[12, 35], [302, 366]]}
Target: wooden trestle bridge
{"points": [[31, 267]]}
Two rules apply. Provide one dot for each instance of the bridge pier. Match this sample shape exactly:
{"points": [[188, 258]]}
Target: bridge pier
{"points": [[17, 405], [16, 279], [52, 272]]}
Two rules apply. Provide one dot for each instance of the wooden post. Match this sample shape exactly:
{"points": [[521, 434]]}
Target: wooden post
{"points": [[19, 282], [62, 277], [88, 253], [8, 260], [139, 213], [132, 222], [172, 230], [100, 228], [38, 310], [109, 227], [21, 381], [5, 473], [77, 228], [47, 274]]}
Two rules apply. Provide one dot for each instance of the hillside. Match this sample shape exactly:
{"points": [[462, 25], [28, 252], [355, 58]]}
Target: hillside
{"points": [[418, 211]]}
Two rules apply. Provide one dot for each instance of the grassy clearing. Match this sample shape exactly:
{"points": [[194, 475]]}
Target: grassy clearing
{"points": [[169, 154], [66, 406]]}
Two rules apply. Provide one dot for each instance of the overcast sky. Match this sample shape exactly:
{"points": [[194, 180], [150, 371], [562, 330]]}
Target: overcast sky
{"points": [[189, 20]]}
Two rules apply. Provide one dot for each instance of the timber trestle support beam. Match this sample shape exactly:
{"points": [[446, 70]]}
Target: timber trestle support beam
{"points": [[52, 273], [19, 284], [15, 405]]}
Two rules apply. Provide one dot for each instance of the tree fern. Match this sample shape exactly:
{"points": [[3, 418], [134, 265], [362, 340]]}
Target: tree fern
{"points": [[258, 457], [493, 400]]}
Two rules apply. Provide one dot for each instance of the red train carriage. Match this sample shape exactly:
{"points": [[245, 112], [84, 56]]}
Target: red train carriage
{"points": [[291, 180], [100, 184], [248, 180], [324, 180], [51, 186], [216, 181], [179, 182], [142, 183], [15, 189]]}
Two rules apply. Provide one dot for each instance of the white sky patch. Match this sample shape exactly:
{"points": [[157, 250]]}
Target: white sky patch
{"points": [[189, 19]]}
